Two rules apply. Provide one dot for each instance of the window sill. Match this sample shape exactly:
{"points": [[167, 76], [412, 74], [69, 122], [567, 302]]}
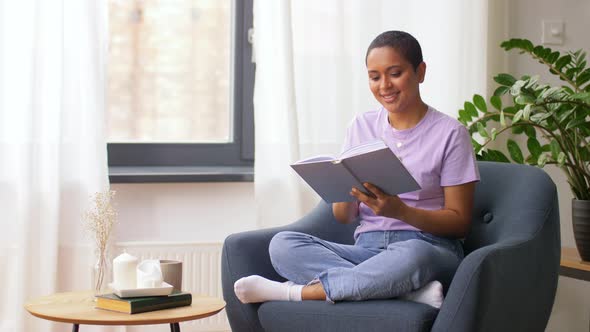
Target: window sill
{"points": [[168, 174]]}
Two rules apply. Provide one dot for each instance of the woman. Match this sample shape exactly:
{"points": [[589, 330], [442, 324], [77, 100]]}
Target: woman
{"points": [[406, 246]]}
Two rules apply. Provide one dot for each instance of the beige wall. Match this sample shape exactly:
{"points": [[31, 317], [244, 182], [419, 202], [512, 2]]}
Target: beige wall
{"points": [[572, 306]]}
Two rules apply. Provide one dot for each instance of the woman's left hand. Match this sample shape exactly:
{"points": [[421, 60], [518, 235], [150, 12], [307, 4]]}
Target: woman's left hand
{"points": [[382, 204]]}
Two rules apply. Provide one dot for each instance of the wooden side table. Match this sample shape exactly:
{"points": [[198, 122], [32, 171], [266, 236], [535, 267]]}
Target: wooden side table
{"points": [[78, 309], [572, 265]]}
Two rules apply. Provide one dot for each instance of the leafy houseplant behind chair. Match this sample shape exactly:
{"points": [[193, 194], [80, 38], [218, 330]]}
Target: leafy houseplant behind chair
{"points": [[554, 120]]}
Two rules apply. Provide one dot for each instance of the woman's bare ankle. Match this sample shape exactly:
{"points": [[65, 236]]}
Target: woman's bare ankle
{"points": [[313, 292]]}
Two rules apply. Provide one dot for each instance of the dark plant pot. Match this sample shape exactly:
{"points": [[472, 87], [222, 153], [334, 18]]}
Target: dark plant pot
{"points": [[581, 223]]}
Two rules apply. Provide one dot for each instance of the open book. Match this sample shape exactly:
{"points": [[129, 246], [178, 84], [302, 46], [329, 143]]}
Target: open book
{"points": [[373, 162]]}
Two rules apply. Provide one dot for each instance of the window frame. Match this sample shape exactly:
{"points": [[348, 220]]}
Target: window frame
{"points": [[201, 162]]}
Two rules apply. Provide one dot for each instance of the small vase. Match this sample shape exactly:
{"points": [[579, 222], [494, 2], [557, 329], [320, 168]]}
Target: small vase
{"points": [[102, 273]]}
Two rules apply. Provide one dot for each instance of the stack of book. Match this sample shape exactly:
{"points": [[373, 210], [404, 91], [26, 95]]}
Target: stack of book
{"points": [[134, 305]]}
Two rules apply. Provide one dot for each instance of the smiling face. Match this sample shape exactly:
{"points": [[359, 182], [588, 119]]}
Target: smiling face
{"points": [[393, 80]]}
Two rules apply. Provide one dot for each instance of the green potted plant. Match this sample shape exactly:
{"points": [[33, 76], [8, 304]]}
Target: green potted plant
{"points": [[553, 119]]}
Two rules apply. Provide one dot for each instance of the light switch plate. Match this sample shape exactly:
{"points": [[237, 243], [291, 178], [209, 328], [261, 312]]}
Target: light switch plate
{"points": [[553, 32]]}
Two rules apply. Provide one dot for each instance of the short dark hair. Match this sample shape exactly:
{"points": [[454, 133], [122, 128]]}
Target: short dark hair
{"points": [[402, 42]]}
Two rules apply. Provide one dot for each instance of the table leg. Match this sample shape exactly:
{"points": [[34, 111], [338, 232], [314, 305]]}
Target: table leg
{"points": [[174, 327], [75, 328]]}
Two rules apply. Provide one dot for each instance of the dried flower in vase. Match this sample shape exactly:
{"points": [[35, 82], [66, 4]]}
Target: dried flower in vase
{"points": [[99, 221]]}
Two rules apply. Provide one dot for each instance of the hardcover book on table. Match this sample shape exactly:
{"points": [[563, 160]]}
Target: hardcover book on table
{"points": [[374, 162], [134, 305]]}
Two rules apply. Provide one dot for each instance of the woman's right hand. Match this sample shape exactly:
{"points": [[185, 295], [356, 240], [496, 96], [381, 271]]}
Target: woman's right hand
{"points": [[345, 212]]}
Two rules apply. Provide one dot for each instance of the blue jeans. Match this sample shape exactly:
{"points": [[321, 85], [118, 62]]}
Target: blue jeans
{"points": [[380, 265]]}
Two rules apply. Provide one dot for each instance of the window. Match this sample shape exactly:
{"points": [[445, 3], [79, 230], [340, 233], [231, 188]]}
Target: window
{"points": [[180, 85]]}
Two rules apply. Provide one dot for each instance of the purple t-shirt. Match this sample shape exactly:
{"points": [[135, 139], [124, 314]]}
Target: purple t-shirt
{"points": [[437, 152]]}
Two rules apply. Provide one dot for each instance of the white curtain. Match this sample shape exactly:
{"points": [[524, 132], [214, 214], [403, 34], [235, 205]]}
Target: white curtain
{"points": [[52, 148], [311, 78]]}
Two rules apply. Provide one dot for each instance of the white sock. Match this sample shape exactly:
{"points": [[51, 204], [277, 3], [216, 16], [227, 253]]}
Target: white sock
{"points": [[254, 289], [431, 294]]}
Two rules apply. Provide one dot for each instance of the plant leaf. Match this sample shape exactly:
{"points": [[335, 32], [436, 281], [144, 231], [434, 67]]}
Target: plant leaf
{"points": [[567, 90], [534, 147], [505, 79], [517, 116], [510, 110], [542, 160], [583, 77], [549, 92], [526, 112], [561, 159], [515, 152], [476, 145], [561, 62], [523, 44], [530, 131], [516, 87], [480, 103], [531, 160], [571, 72], [551, 58], [532, 81], [566, 115], [539, 117], [524, 99], [502, 119], [496, 102], [555, 149], [464, 117], [470, 109], [574, 123], [584, 96], [527, 45], [501, 90], [517, 129], [585, 153], [482, 131], [495, 155]]}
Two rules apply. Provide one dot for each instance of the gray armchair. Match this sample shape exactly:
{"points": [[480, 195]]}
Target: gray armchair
{"points": [[506, 282]]}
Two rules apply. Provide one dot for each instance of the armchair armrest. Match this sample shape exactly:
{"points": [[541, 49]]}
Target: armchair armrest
{"points": [[503, 287]]}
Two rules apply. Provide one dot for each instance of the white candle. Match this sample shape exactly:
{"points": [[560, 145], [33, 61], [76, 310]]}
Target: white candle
{"points": [[125, 271]]}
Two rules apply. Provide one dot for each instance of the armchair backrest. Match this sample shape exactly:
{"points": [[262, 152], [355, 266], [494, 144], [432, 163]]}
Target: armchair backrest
{"points": [[512, 203]]}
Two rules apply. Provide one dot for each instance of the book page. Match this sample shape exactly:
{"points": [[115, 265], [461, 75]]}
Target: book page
{"points": [[383, 169], [363, 148], [315, 159]]}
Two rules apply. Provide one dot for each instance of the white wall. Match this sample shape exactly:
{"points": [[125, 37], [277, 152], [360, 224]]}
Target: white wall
{"points": [[572, 305], [183, 212]]}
